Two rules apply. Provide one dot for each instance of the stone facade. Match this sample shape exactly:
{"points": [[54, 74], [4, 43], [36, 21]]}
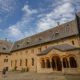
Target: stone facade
{"points": [[25, 53]]}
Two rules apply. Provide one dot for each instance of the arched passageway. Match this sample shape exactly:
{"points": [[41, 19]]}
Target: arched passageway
{"points": [[56, 63], [53, 64], [73, 63], [43, 64], [59, 65], [48, 63], [65, 63]]}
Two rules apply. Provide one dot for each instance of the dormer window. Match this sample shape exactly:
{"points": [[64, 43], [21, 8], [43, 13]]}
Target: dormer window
{"points": [[67, 28], [18, 45], [67, 24], [4, 48], [28, 42], [56, 34], [40, 38]]}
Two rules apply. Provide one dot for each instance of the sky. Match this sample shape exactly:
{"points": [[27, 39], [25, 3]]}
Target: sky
{"points": [[23, 18]]}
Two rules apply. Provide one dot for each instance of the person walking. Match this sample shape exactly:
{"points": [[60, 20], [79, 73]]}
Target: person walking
{"points": [[3, 72]]}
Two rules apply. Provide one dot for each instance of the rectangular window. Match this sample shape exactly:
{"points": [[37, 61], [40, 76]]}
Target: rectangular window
{"points": [[26, 62], [11, 63], [5, 60], [32, 62], [20, 62]]}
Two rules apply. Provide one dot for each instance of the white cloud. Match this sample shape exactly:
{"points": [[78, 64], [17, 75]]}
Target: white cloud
{"points": [[61, 13], [28, 11], [7, 6], [14, 32], [18, 30]]}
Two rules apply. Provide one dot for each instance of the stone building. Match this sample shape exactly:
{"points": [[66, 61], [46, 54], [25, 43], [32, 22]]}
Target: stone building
{"points": [[56, 49]]}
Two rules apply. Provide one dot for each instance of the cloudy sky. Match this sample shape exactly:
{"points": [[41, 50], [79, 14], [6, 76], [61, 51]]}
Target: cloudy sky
{"points": [[23, 18]]}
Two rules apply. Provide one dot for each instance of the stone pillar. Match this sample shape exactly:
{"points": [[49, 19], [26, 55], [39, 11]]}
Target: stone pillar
{"points": [[62, 64], [50, 62], [55, 63], [45, 63], [68, 62], [78, 61]]}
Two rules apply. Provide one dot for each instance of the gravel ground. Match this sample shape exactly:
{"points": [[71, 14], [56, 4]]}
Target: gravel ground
{"points": [[38, 76]]}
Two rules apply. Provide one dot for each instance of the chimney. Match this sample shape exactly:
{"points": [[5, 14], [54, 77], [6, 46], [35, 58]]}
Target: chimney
{"points": [[58, 24], [5, 39]]}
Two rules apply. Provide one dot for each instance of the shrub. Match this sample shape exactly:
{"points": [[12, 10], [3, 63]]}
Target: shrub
{"points": [[26, 69], [15, 68]]}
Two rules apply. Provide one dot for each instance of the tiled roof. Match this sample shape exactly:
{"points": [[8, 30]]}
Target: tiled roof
{"points": [[59, 32], [65, 47], [61, 47], [78, 14], [65, 30], [5, 46]]}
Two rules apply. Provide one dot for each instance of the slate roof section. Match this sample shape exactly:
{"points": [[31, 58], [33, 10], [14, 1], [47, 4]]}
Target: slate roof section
{"points": [[78, 14], [65, 30], [61, 47], [45, 51], [65, 47], [5, 46]]}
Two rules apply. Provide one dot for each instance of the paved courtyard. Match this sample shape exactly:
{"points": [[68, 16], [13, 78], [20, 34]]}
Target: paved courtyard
{"points": [[38, 76]]}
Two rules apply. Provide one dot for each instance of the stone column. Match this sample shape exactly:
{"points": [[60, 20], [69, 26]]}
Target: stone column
{"points": [[50, 62], [62, 64], [45, 63], [55, 63], [68, 62]]}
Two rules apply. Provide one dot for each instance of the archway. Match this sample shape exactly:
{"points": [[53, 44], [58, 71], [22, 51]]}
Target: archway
{"points": [[65, 63], [53, 63], [59, 65], [42, 64], [56, 63], [48, 63], [73, 62]]}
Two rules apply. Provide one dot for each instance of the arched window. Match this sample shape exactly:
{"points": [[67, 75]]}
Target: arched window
{"points": [[42, 64], [32, 61], [73, 63], [65, 63], [48, 63]]}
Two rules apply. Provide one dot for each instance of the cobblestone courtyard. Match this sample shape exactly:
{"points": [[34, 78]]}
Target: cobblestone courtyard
{"points": [[38, 76]]}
